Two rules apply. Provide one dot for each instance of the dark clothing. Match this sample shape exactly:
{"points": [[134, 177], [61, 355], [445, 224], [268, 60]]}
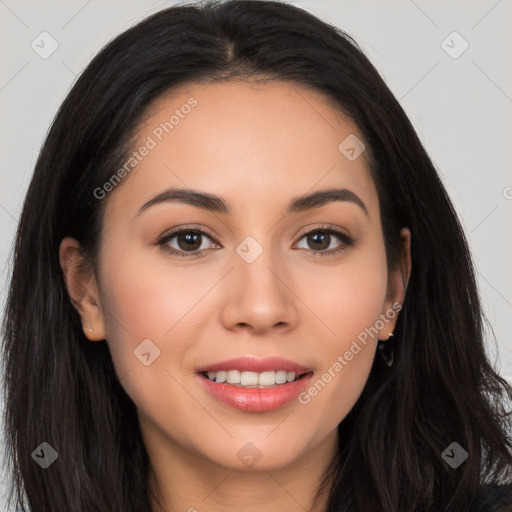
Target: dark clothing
{"points": [[495, 499]]}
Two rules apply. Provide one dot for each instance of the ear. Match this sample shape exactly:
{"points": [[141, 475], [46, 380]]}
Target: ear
{"points": [[397, 286], [82, 288]]}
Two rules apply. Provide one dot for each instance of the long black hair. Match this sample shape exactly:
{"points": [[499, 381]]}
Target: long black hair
{"points": [[63, 390]]}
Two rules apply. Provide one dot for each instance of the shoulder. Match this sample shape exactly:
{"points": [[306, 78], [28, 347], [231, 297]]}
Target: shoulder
{"points": [[495, 498]]}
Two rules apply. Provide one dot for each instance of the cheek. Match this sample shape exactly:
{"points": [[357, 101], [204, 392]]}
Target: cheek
{"points": [[144, 302], [351, 303], [145, 297], [359, 308], [348, 298]]}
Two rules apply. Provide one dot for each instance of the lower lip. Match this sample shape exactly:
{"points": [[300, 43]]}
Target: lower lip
{"points": [[256, 399]]}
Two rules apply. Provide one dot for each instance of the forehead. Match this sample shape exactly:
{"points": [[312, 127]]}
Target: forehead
{"points": [[243, 141]]}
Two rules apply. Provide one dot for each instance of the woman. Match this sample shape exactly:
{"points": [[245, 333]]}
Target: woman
{"points": [[326, 354]]}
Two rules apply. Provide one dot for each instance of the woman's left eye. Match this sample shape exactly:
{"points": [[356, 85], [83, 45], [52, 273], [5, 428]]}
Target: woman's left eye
{"points": [[322, 237], [190, 244]]}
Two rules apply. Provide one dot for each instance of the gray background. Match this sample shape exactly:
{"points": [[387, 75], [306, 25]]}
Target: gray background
{"points": [[461, 107]]}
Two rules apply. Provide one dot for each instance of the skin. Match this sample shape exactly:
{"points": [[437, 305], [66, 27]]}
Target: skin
{"points": [[257, 146]]}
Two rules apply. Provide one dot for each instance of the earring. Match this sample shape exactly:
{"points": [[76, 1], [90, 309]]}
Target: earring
{"points": [[386, 350]]}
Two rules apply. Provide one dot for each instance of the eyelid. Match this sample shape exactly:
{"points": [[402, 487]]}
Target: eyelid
{"points": [[322, 227]]}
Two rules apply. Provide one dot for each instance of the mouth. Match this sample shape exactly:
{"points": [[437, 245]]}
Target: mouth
{"points": [[260, 380], [255, 385]]}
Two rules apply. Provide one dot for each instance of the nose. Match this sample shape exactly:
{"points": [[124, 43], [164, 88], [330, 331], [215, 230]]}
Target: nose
{"points": [[259, 296]]}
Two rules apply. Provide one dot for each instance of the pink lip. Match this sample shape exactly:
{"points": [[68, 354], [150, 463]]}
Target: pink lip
{"points": [[255, 399], [258, 365]]}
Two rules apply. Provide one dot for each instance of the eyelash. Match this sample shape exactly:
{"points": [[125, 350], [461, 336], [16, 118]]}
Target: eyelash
{"points": [[347, 241]]}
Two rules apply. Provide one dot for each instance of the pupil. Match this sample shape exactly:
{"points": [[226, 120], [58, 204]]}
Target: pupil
{"points": [[188, 237], [324, 235]]}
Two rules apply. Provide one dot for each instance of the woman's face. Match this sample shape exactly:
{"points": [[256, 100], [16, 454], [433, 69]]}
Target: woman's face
{"points": [[260, 288]]}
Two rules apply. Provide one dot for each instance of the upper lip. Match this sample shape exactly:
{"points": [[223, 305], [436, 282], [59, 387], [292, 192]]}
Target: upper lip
{"points": [[256, 364]]}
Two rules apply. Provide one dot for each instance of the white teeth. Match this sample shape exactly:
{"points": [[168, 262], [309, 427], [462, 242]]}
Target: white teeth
{"points": [[233, 377], [249, 378], [267, 378], [253, 379], [281, 377]]}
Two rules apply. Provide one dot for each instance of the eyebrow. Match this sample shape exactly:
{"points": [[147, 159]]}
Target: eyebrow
{"points": [[213, 203]]}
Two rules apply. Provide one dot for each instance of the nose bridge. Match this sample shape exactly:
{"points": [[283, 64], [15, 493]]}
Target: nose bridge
{"points": [[258, 265]]}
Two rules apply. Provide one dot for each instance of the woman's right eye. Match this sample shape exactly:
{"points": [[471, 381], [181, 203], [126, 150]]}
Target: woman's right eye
{"points": [[188, 241]]}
